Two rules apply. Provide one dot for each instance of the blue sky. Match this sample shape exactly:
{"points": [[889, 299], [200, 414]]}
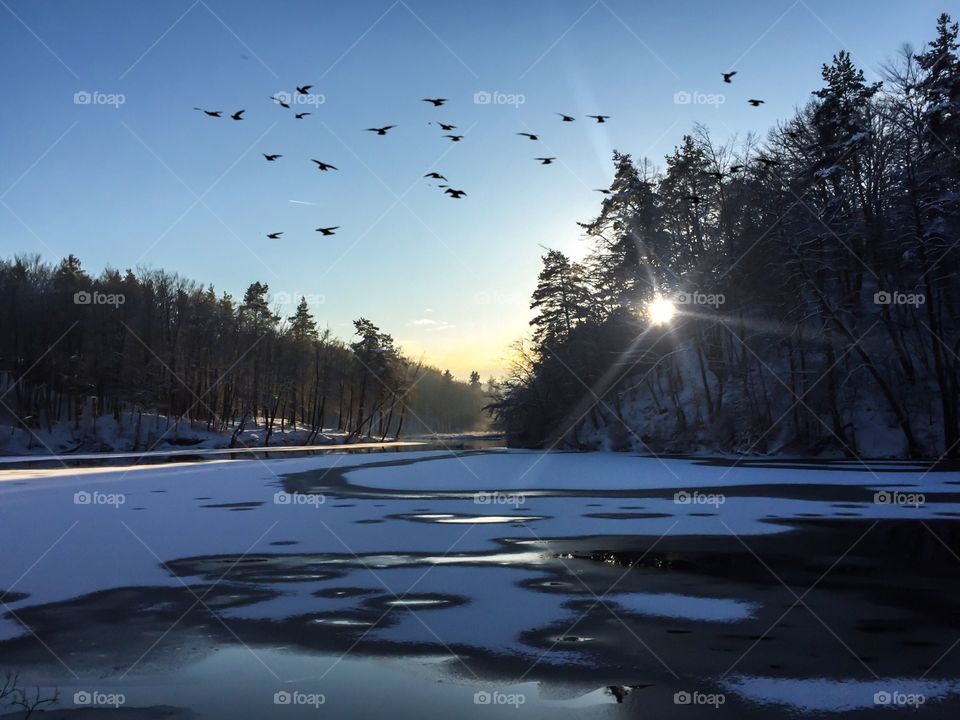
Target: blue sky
{"points": [[118, 185]]}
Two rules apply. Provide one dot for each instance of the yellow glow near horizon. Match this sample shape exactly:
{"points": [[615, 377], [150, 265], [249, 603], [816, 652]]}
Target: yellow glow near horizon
{"points": [[661, 311]]}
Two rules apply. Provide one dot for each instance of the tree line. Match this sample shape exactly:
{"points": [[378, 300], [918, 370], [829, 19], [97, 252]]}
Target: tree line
{"points": [[813, 272], [151, 343]]}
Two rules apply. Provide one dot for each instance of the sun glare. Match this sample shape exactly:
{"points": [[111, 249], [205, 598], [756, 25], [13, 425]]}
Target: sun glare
{"points": [[660, 311]]}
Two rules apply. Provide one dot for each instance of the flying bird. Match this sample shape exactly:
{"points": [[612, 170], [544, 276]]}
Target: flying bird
{"points": [[447, 128], [323, 166], [280, 101], [736, 168], [455, 194], [304, 90], [530, 135], [435, 176], [605, 191], [455, 138], [327, 230], [599, 118], [211, 113], [546, 161], [271, 158], [274, 236], [768, 162], [238, 115], [755, 102], [566, 118], [301, 116], [728, 75], [437, 102], [382, 130]]}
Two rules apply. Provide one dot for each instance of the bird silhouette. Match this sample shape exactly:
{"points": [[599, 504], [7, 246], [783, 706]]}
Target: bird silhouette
{"points": [[530, 135], [768, 162], [211, 113], [728, 75], [455, 194], [719, 176], [304, 90], [437, 102], [546, 161], [455, 138], [599, 118], [274, 236], [382, 130], [271, 158], [566, 118], [237, 115], [301, 116], [435, 176], [323, 166], [755, 102], [280, 101], [327, 230], [447, 128], [736, 168], [605, 191]]}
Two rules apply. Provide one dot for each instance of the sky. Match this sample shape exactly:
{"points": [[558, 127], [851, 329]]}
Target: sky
{"points": [[103, 156]]}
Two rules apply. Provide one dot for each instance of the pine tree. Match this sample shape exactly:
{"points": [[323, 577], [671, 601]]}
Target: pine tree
{"points": [[302, 325], [561, 299]]}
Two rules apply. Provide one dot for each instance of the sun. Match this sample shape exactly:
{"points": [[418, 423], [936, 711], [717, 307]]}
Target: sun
{"points": [[660, 310]]}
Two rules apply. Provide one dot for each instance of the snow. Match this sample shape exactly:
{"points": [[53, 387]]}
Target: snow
{"points": [[685, 607], [826, 695], [430, 536], [105, 434], [204, 452]]}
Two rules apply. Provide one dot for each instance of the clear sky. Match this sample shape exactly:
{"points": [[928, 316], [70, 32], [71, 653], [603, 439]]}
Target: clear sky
{"points": [[151, 182]]}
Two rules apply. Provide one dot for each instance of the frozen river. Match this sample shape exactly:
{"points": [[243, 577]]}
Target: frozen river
{"points": [[486, 583]]}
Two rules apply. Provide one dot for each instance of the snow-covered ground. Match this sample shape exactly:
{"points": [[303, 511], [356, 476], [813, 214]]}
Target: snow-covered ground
{"points": [[149, 432]]}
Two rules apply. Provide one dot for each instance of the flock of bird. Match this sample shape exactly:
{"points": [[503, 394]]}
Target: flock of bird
{"points": [[448, 128]]}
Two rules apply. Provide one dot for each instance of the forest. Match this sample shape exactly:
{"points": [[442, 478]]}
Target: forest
{"points": [[796, 292], [154, 348]]}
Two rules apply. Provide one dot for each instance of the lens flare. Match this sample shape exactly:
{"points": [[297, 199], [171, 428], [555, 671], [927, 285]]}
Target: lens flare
{"points": [[661, 311]]}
